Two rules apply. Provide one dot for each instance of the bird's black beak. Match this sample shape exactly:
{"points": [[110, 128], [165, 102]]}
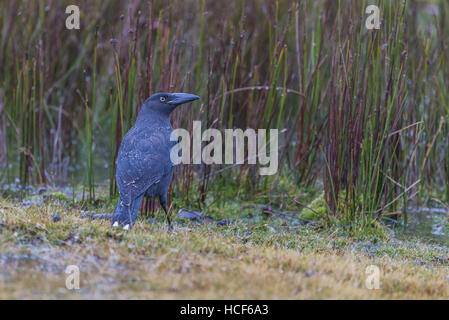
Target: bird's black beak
{"points": [[180, 98]]}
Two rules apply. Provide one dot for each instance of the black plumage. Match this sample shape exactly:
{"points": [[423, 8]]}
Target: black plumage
{"points": [[143, 163]]}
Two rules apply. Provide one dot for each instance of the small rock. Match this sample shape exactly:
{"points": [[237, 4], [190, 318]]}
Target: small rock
{"points": [[207, 219], [268, 211], [41, 190], [193, 215], [224, 222], [56, 217], [310, 273], [247, 233], [26, 204], [183, 229], [418, 263]]}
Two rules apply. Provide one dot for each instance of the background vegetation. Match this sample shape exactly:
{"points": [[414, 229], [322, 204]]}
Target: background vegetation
{"points": [[363, 113]]}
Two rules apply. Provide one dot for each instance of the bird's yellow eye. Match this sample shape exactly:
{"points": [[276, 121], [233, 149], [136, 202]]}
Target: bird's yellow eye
{"points": [[162, 99]]}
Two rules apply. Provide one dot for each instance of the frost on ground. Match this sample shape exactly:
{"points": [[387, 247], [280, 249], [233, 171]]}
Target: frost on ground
{"points": [[242, 259]]}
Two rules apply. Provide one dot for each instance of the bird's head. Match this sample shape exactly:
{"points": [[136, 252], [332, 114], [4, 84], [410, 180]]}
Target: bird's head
{"points": [[165, 103]]}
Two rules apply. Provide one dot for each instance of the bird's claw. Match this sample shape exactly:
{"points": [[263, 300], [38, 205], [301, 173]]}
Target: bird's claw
{"points": [[122, 221]]}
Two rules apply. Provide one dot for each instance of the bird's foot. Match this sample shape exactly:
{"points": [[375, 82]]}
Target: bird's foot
{"points": [[122, 220]]}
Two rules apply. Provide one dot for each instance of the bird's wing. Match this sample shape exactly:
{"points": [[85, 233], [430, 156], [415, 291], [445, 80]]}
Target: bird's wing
{"points": [[143, 160]]}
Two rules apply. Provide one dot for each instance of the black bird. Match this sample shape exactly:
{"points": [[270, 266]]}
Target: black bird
{"points": [[143, 163]]}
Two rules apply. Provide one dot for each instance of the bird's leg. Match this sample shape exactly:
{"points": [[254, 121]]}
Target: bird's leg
{"points": [[125, 214], [163, 202], [168, 218], [130, 218]]}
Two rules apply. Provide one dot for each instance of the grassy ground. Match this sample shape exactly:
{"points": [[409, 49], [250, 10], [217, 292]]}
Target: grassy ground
{"points": [[256, 256]]}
